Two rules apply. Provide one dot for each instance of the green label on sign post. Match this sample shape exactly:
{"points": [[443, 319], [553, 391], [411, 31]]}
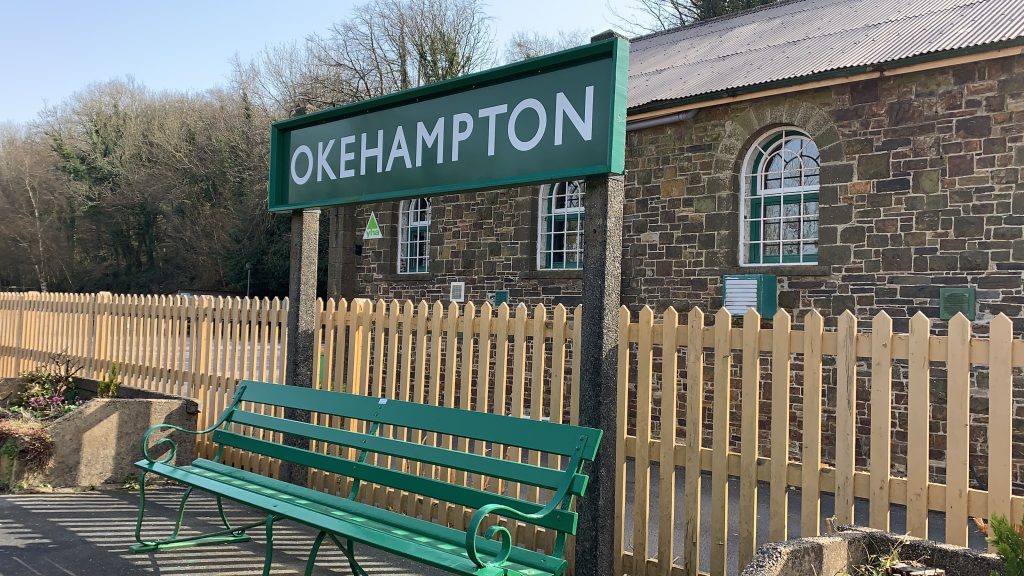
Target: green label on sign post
{"points": [[556, 117]]}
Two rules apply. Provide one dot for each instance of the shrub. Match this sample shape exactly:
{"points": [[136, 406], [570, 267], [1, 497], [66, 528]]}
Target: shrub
{"points": [[50, 390], [1009, 543], [108, 388], [24, 444]]}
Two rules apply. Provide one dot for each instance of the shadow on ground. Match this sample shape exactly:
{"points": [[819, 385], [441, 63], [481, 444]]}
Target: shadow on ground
{"points": [[89, 534]]}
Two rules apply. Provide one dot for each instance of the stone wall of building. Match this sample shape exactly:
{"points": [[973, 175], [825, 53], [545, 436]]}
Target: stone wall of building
{"points": [[920, 189]]}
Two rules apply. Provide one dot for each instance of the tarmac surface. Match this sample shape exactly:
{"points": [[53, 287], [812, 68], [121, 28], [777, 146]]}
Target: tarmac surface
{"points": [[89, 534]]}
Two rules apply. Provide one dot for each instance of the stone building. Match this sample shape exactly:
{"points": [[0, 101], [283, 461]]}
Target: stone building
{"points": [[839, 154], [864, 154]]}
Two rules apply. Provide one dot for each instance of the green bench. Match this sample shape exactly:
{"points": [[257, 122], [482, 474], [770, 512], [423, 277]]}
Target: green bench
{"points": [[485, 548]]}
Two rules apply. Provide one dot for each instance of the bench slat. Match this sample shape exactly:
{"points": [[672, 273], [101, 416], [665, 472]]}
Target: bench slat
{"points": [[550, 478], [562, 520], [537, 435], [403, 546], [451, 536]]}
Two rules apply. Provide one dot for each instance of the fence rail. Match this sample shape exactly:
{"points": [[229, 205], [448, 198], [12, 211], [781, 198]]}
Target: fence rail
{"points": [[680, 380]]}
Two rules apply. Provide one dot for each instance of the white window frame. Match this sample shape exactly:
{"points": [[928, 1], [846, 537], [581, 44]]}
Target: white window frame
{"points": [[748, 171], [542, 224], [411, 213]]}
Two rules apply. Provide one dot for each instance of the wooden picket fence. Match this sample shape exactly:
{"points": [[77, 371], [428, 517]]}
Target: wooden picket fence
{"points": [[695, 362], [525, 363], [499, 360]]}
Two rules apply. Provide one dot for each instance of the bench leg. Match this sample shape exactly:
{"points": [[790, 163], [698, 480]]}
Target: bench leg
{"points": [[314, 551], [350, 553], [223, 516], [231, 535], [269, 556]]}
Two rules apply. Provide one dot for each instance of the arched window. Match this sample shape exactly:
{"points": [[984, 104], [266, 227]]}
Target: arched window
{"points": [[560, 226], [414, 236], [780, 200]]}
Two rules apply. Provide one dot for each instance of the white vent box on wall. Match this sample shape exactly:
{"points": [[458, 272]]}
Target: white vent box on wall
{"points": [[741, 292], [457, 292]]}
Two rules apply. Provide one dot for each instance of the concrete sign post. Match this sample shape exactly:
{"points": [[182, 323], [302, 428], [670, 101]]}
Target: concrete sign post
{"points": [[602, 277], [299, 366], [554, 118]]}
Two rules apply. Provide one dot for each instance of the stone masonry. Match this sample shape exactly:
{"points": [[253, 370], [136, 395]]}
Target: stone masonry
{"points": [[920, 189]]}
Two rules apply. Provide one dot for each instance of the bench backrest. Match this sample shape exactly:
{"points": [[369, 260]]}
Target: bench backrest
{"points": [[432, 446]]}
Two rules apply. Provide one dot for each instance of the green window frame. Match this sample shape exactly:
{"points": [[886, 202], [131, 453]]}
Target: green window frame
{"points": [[414, 236], [782, 200], [560, 227]]}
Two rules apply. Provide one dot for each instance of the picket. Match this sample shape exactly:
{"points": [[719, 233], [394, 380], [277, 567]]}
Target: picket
{"points": [[694, 432], [846, 411], [778, 525], [719, 536], [667, 463], [1000, 414], [918, 421], [810, 461], [881, 420], [749, 423], [642, 468], [958, 430]]}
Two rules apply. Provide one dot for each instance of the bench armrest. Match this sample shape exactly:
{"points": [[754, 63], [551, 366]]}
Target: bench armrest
{"points": [[174, 445], [503, 534]]}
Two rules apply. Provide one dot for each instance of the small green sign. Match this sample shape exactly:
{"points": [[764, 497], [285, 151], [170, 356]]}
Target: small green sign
{"points": [[500, 297], [372, 231], [556, 117]]}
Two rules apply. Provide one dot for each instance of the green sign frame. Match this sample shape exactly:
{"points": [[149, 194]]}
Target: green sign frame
{"points": [[556, 117]]}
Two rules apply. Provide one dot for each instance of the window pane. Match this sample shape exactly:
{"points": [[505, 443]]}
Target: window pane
{"points": [[559, 237], [414, 236], [791, 230], [784, 227], [810, 229]]}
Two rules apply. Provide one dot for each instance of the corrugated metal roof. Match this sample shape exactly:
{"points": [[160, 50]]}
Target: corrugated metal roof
{"points": [[806, 37]]}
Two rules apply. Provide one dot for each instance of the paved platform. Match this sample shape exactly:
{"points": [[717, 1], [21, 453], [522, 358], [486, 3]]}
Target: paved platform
{"points": [[89, 533]]}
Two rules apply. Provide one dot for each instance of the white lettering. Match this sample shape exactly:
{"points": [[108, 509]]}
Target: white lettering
{"points": [[309, 164], [542, 122], [346, 156], [584, 125], [491, 114], [399, 148], [321, 161], [460, 134], [377, 152], [429, 138]]}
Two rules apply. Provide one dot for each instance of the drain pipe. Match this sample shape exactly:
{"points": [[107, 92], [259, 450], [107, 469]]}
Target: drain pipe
{"points": [[661, 120]]}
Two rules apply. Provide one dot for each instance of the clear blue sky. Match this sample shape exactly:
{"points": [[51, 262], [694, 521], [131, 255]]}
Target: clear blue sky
{"points": [[51, 49]]}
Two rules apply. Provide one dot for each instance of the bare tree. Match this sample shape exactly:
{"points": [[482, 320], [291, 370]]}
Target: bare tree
{"points": [[523, 44], [659, 15], [26, 209], [391, 45]]}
